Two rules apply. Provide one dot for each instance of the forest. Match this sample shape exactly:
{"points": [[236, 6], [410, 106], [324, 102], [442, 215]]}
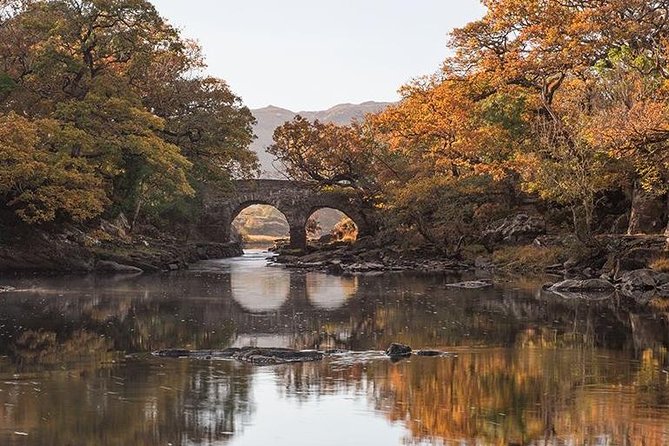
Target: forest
{"points": [[558, 103], [104, 108], [554, 108]]}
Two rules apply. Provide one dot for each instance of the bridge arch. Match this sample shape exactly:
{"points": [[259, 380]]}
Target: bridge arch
{"points": [[296, 201], [314, 211], [252, 219]]}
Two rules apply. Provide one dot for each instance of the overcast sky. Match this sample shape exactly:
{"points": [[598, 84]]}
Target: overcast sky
{"points": [[313, 54]]}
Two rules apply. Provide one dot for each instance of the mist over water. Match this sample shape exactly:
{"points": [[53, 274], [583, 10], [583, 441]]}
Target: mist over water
{"points": [[527, 367]]}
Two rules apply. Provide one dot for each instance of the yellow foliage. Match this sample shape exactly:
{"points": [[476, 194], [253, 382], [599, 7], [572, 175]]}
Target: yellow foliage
{"points": [[528, 257]]}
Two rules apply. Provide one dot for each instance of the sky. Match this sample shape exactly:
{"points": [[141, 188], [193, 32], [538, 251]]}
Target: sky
{"points": [[314, 54]]}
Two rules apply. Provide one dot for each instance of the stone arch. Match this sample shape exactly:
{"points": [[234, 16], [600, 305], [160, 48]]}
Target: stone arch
{"points": [[297, 201]]}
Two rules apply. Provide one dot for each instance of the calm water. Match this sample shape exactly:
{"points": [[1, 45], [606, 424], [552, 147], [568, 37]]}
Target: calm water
{"points": [[530, 369]]}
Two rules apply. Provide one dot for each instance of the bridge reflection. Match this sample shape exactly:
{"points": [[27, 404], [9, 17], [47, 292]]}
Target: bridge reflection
{"points": [[260, 289]]}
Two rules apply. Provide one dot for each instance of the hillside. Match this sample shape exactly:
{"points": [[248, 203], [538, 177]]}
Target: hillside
{"points": [[270, 117]]}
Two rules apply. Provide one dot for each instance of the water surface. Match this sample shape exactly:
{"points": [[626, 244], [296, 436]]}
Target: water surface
{"points": [[527, 368]]}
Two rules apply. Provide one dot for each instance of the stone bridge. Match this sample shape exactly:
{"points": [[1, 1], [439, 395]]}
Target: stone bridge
{"points": [[296, 200]]}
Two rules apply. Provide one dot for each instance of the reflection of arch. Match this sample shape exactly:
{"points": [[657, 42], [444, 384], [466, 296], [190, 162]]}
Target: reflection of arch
{"points": [[258, 290], [329, 292]]}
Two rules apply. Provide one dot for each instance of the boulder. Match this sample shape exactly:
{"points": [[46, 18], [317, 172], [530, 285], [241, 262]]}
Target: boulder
{"points": [[636, 258], [588, 285], [643, 279], [517, 229], [398, 350], [118, 228]]}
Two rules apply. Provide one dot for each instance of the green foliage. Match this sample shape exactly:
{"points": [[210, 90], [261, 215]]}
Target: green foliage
{"points": [[113, 112], [446, 210], [7, 84]]}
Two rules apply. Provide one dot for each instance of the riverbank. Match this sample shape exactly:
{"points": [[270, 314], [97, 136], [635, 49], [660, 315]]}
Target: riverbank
{"points": [[106, 249], [636, 266]]}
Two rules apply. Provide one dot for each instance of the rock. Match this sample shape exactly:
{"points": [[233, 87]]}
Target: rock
{"points": [[483, 262], [636, 258], [107, 266], [363, 267], [119, 228], [253, 355], [335, 269], [555, 268], [268, 356], [588, 285], [472, 284], [643, 279], [31, 249], [429, 353], [326, 239], [6, 289], [398, 350], [520, 228], [286, 259]]}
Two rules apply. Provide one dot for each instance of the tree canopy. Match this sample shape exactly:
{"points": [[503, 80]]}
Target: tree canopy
{"points": [[106, 99], [565, 100]]}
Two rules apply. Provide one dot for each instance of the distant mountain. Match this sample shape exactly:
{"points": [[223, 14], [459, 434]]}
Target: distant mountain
{"points": [[269, 118]]}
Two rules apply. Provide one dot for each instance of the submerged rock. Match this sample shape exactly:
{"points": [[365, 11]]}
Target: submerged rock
{"points": [[398, 350], [429, 353], [268, 356], [471, 284], [253, 355]]}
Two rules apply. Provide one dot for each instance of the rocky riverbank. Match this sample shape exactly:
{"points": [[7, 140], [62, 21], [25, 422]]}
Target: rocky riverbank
{"points": [[366, 256], [107, 249]]}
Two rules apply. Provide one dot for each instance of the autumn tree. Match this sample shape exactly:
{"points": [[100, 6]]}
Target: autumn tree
{"points": [[39, 183], [329, 154], [124, 91], [616, 49]]}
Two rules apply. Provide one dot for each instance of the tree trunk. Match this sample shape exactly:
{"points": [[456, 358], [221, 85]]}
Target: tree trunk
{"points": [[582, 216], [648, 212], [135, 216]]}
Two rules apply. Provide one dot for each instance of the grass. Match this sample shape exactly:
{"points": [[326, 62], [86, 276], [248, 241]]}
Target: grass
{"points": [[661, 265], [528, 257]]}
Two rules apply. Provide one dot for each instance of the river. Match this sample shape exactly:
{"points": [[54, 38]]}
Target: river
{"points": [[525, 368]]}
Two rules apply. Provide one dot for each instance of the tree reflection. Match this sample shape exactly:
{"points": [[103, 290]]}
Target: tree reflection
{"points": [[529, 369]]}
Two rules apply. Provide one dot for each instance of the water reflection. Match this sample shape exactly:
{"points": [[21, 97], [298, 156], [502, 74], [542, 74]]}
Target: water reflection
{"points": [[258, 290], [530, 369], [329, 292]]}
